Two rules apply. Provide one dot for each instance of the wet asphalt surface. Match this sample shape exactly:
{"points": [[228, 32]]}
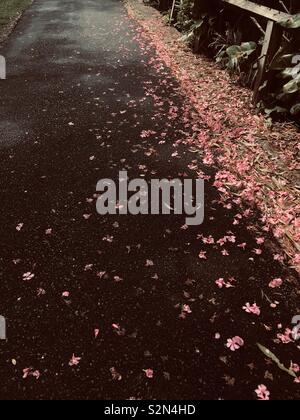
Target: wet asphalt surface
{"points": [[72, 112]]}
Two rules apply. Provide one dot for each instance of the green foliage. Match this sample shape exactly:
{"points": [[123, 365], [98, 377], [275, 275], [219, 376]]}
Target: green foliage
{"points": [[193, 30], [285, 97], [292, 23], [184, 15], [235, 54]]}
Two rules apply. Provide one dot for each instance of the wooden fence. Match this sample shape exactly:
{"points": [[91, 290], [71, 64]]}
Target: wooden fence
{"points": [[273, 34]]}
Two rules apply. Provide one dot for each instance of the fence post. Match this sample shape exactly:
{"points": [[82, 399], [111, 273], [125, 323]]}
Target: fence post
{"points": [[270, 47], [172, 12]]}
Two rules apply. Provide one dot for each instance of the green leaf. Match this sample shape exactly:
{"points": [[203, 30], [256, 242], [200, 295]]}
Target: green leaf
{"points": [[187, 37], [292, 23], [191, 32], [240, 51], [291, 87], [275, 359], [234, 51], [249, 47], [198, 24], [290, 72], [277, 109]]}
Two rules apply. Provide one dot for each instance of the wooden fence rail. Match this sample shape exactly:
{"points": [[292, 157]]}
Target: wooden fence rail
{"points": [[257, 9]]}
